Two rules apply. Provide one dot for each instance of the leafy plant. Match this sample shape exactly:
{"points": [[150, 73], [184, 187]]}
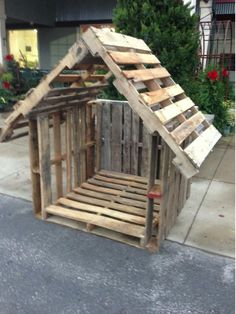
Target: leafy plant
{"points": [[15, 81], [168, 28], [209, 93]]}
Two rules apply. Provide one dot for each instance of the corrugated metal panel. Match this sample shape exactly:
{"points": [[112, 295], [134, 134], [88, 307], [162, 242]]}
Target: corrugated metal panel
{"points": [[224, 8], [37, 11], [86, 10]]}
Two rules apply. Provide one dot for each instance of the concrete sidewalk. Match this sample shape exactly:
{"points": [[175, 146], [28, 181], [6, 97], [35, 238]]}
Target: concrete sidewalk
{"points": [[207, 220]]}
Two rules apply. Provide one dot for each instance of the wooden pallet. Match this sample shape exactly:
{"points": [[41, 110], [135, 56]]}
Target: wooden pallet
{"points": [[151, 92], [46, 95], [110, 204], [155, 97]]}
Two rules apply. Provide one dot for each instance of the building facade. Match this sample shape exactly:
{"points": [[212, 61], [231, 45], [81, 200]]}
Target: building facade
{"points": [[38, 33]]}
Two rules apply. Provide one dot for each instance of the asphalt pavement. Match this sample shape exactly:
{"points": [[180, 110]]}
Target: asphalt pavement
{"points": [[49, 269]]}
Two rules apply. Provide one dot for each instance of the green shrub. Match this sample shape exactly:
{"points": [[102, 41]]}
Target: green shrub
{"points": [[209, 92]]}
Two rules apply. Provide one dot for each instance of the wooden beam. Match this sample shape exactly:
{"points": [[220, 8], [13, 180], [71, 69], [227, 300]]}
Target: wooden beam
{"points": [[44, 162]]}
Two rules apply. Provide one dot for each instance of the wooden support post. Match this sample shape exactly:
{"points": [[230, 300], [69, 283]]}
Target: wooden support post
{"points": [[98, 136], [90, 137], [68, 152], [165, 156], [34, 166], [44, 162], [82, 142], [151, 182], [57, 152], [76, 150]]}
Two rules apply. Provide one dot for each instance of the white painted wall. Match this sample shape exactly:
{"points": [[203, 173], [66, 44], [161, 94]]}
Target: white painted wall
{"points": [[3, 41]]}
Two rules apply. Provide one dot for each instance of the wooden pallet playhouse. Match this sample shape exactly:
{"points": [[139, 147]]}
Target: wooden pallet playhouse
{"points": [[104, 167]]}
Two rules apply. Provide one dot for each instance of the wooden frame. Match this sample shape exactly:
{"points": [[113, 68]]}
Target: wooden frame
{"points": [[78, 179], [115, 169]]}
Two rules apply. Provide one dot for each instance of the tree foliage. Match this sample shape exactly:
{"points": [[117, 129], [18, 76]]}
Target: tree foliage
{"points": [[169, 30]]}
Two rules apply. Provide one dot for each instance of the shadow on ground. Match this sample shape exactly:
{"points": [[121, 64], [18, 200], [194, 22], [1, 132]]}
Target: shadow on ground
{"points": [[45, 268]]}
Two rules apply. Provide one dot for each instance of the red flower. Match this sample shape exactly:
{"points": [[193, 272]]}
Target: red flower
{"points": [[212, 75], [9, 57], [225, 73], [6, 85]]}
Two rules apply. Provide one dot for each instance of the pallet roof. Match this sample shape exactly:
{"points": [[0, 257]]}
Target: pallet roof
{"points": [[139, 76]]}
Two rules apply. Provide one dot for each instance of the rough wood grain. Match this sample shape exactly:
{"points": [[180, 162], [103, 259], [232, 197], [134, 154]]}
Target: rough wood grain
{"points": [[187, 127], [160, 95], [200, 147], [133, 58], [105, 222], [44, 163], [145, 75]]}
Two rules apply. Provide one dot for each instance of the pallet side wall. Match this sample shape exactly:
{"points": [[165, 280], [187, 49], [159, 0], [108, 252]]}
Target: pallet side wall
{"points": [[68, 147]]}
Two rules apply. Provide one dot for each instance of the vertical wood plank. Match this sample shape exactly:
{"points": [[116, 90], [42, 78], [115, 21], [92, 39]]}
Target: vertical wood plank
{"points": [[82, 127], [76, 145], [127, 139], [89, 138], [145, 152], [116, 137], [99, 113], [44, 162], [151, 182], [68, 152], [106, 135], [34, 166], [171, 195], [135, 140], [164, 189], [176, 197], [57, 153]]}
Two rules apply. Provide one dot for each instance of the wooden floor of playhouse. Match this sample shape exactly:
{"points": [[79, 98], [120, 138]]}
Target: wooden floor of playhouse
{"points": [[110, 204]]}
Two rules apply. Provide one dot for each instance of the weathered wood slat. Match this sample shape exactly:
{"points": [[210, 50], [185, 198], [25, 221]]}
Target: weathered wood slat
{"points": [[82, 142], [107, 184], [120, 181], [94, 201], [134, 146], [133, 58], [108, 38], [187, 127], [96, 188], [201, 146], [57, 152], [127, 139], [160, 95], [101, 211], [167, 113], [68, 151], [123, 176], [72, 78], [117, 186], [76, 148], [145, 158], [105, 222], [106, 134], [34, 162], [116, 137], [98, 135], [145, 75], [69, 90], [44, 162]]}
